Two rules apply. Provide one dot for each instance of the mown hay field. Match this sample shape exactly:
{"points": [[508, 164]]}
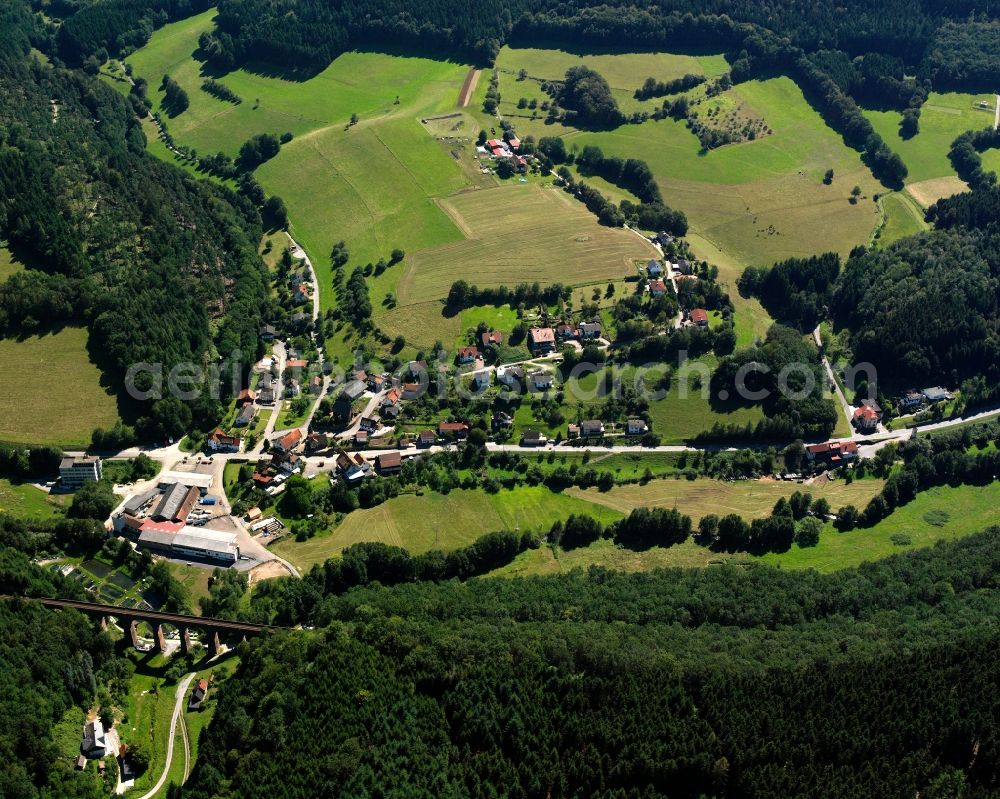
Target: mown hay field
{"points": [[54, 394], [521, 233], [442, 521]]}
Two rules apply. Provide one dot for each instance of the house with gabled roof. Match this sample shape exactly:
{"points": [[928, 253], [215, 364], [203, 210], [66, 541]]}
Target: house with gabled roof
{"points": [[467, 354], [289, 442], [541, 340], [492, 338]]}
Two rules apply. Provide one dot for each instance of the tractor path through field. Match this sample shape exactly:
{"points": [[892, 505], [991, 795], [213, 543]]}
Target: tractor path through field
{"points": [[178, 709], [468, 87]]}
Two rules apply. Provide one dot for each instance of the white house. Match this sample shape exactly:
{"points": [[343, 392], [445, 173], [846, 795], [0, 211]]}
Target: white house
{"points": [[540, 380], [636, 427], [95, 742], [510, 375]]}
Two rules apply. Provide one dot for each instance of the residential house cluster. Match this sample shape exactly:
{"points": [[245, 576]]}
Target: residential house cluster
{"points": [[914, 400], [594, 428], [284, 461]]}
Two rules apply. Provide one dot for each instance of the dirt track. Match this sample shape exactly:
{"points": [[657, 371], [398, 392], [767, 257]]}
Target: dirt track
{"points": [[468, 87]]}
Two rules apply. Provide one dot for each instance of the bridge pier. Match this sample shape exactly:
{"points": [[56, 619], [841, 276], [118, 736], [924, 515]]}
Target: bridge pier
{"points": [[161, 639], [104, 624], [215, 645], [133, 630], [186, 640]]}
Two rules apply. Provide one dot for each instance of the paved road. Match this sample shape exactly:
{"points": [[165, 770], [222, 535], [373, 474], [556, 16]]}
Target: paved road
{"points": [[178, 709]]}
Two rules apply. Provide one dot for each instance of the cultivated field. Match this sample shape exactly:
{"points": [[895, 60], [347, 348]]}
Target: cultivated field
{"points": [[56, 397], [520, 233], [750, 499], [442, 521], [927, 192], [942, 118]]}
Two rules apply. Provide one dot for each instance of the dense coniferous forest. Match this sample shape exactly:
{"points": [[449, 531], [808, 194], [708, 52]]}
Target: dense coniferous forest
{"points": [[926, 309], [149, 259], [49, 662], [876, 681]]}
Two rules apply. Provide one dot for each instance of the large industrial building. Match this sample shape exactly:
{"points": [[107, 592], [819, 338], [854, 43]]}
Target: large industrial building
{"points": [[157, 521], [192, 542]]}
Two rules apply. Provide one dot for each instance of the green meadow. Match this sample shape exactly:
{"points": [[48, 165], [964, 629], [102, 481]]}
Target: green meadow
{"points": [[903, 217], [939, 514], [764, 200], [57, 396], [942, 118], [420, 522]]}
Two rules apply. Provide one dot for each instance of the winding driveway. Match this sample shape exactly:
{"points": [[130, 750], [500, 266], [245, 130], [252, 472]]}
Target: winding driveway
{"points": [[178, 709]]}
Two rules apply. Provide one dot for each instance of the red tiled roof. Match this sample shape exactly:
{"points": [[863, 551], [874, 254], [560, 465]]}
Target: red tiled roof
{"points": [[290, 440], [389, 460], [222, 438], [296, 363], [865, 413], [452, 427], [464, 352], [699, 315], [657, 285]]}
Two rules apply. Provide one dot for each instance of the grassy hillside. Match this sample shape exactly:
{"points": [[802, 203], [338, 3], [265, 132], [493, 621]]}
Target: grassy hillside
{"points": [[942, 118], [449, 521], [54, 394], [442, 521]]}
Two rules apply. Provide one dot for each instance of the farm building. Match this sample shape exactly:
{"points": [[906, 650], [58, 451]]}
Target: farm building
{"points": [[389, 462], [832, 452]]}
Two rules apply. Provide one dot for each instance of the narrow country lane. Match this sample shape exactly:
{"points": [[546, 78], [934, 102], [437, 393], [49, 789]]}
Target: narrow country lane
{"points": [[178, 709]]}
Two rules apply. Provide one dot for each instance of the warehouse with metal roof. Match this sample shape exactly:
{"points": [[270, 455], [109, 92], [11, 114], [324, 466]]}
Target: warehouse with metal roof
{"points": [[193, 542]]}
